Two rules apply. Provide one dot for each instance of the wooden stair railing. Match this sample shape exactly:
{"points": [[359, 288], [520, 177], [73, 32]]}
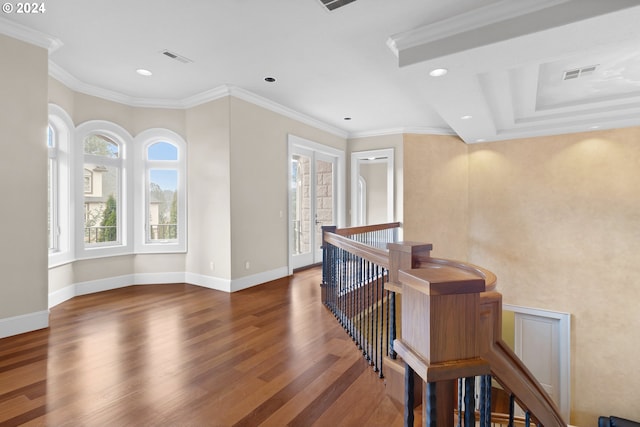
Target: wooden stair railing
{"points": [[449, 324], [354, 275]]}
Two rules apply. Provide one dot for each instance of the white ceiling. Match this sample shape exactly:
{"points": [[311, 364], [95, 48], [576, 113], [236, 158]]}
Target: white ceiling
{"points": [[368, 60]]}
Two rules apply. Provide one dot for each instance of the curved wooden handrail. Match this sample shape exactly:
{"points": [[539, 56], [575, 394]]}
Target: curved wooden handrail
{"points": [[375, 255], [489, 278], [508, 369]]}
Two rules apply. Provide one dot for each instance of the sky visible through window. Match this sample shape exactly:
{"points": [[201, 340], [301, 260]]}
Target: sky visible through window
{"points": [[167, 179]]}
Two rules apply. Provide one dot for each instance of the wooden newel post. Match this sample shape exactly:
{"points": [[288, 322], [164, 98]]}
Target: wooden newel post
{"points": [[405, 256], [328, 266], [329, 229], [439, 338], [402, 256]]}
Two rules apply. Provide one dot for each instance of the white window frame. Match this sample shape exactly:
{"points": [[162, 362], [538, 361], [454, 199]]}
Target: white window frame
{"points": [[63, 130], [141, 194], [125, 213]]}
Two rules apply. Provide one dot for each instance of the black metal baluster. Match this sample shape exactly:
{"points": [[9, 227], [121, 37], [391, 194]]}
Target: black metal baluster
{"points": [[460, 383], [354, 283], [370, 312], [469, 402], [344, 286], [512, 401], [408, 395], [485, 401], [387, 327], [347, 296], [431, 406], [365, 312], [358, 316], [326, 270], [527, 419], [376, 320], [363, 286], [382, 333], [365, 332], [392, 319], [339, 273]]}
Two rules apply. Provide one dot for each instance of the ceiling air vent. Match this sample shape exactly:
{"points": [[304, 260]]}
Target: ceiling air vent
{"points": [[579, 72], [175, 56], [334, 4]]}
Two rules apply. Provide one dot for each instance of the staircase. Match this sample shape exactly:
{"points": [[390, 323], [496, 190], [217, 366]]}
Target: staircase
{"points": [[430, 327]]}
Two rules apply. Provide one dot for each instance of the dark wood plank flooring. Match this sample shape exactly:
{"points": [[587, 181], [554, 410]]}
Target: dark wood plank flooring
{"points": [[181, 355]]}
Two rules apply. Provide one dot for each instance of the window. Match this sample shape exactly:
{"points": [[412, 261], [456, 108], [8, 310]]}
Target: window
{"points": [[103, 217], [53, 230], [102, 195], [110, 215], [160, 192], [58, 141]]}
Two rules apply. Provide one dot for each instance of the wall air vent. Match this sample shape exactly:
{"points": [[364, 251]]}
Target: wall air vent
{"points": [[334, 4], [175, 56], [579, 72]]}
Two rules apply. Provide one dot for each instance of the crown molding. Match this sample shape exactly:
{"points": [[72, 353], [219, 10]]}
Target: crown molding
{"points": [[404, 130], [473, 19], [260, 101], [77, 85], [27, 35], [204, 97]]}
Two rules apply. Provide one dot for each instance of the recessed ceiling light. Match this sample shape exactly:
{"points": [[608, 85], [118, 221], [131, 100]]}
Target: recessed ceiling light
{"points": [[595, 127], [467, 117], [269, 79], [347, 118], [144, 72], [438, 72], [480, 140]]}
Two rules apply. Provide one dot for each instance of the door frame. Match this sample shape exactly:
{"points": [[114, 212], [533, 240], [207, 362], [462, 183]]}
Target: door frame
{"points": [[340, 184]]}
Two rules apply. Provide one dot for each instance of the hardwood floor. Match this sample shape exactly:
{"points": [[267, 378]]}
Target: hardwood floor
{"points": [[181, 355]]}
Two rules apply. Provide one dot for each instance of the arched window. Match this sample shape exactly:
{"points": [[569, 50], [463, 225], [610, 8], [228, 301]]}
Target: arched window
{"points": [[160, 191], [102, 217], [59, 134]]}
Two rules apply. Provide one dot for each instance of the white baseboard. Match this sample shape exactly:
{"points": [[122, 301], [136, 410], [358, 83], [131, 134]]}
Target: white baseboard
{"points": [[258, 279], [216, 283], [235, 285], [24, 323], [159, 278], [100, 285], [61, 295], [210, 282]]}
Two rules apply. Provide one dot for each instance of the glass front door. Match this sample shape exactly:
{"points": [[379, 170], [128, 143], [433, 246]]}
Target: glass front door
{"points": [[312, 204]]}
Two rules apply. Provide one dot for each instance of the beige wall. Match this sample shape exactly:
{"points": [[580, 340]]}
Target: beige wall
{"points": [[259, 165], [558, 220], [23, 172], [378, 143], [436, 180], [209, 209]]}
